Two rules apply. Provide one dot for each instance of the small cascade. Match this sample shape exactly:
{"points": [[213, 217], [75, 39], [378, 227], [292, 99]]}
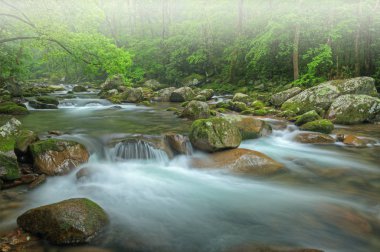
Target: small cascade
{"points": [[138, 149], [72, 103]]}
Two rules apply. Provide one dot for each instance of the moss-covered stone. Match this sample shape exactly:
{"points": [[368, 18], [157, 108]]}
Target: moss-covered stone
{"points": [[257, 104], [307, 117], [260, 112], [48, 100], [200, 98], [207, 93], [353, 109], [172, 109], [21, 147], [214, 134], [78, 89], [9, 169], [239, 97], [72, 221], [11, 108], [196, 110], [322, 126], [281, 97], [237, 106], [41, 105], [250, 128], [182, 94], [248, 112]]}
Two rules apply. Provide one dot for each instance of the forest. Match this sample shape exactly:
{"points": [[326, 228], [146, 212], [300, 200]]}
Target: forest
{"points": [[227, 44]]}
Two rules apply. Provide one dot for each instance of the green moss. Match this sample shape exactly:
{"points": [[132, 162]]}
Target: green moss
{"points": [[78, 89], [322, 126], [257, 104], [115, 99], [11, 108], [48, 100], [213, 112], [184, 104], [10, 167], [172, 109], [41, 147], [247, 112], [238, 106], [260, 112], [145, 103], [7, 143], [221, 110], [24, 139], [307, 117]]}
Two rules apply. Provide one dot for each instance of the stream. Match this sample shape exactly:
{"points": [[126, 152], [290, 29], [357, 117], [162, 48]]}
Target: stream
{"points": [[327, 198]]}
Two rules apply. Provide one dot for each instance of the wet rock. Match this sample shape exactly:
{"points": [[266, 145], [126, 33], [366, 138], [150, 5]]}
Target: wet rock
{"points": [[354, 109], [355, 141], [314, 138], [11, 108], [23, 140], [322, 126], [207, 93], [256, 248], [237, 106], [55, 132], [182, 94], [57, 157], [28, 178], [163, 95], [196, 110], [214, 134], [307, 117], [239, 97], [48, 100], [180, 144], [78, 89], [9, 169], [9, 128], [250, 127], [72, 221], [38, 181], [281, 97], [239, 161], [40, 105]]}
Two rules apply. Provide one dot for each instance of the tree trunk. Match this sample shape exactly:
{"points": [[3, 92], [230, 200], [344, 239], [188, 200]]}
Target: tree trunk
{"points": [[357, 40], [296, 43]]}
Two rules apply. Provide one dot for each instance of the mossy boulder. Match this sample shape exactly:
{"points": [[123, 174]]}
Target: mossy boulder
{"points": [[260, 112], [281, 97], [182, 94], [11, 108], [57, 157], [48, 100], [314, 138], [193, 80], [250, 128], [257, 104], [354, 109], [79, 88], [133, 95], [359, 85], [237, 106], [322, 126], [307, 117], [239, 97], [214, 134], [9, 169], [113, 82], [196, 110], [21, 148], [207, 93], [200, 98], [153, 84], [41, 105], [163, 95], [72, 221]]}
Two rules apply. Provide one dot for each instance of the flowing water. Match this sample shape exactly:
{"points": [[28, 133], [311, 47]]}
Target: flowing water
{"points": [[327, 198]]}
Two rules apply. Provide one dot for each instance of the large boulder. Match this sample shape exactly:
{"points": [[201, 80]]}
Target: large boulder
{"points": [[207, 93], [11, 108], [112, 83], [250, 127], [182, 94], [41, 105], [239, 161], [239, 97], [163, 95], [322, 126], [237, 106], [79, 88], [57, 157], [9, 169], [281, 97], [134, 95], [314, 138], [322, 96], [214, 134], [353, 109], [196, 110], [307, 117], [48, 100], [23, 140], [179, 144], [72, 221]]}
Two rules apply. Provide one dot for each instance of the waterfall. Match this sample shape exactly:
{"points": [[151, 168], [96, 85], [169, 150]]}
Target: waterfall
{"points": [[138, 149]]}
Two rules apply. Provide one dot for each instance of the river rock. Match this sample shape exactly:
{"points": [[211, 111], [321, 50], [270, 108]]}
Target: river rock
{"points": [[72, 221], [48, 100], [134, 95], [207, 93], [78, 89], [322, 96], [237, 106], [355, 141], [9, 169], [214, 134], [163, 95], [153, 85], [281, 97], [21, 149], [38, 181], [10, 127], [353, 109], [180, 144], [239, 161], [322, 126], [57, 157], [182, 94], [196, 110], [250, 127], [41, 105], [11, 108], [314, 138], [112, 83], [307, 117], [239, 97]]}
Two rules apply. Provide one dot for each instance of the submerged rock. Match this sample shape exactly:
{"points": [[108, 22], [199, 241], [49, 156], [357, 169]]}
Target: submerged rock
{"points": [[314, 138], [9, 169], [281, 97], [239, 161], [322, 126], [250, 127], [72, 221], [214, 134], [353, 109], [355, 141], [182, 94], [57, 157], [196, 110]]}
